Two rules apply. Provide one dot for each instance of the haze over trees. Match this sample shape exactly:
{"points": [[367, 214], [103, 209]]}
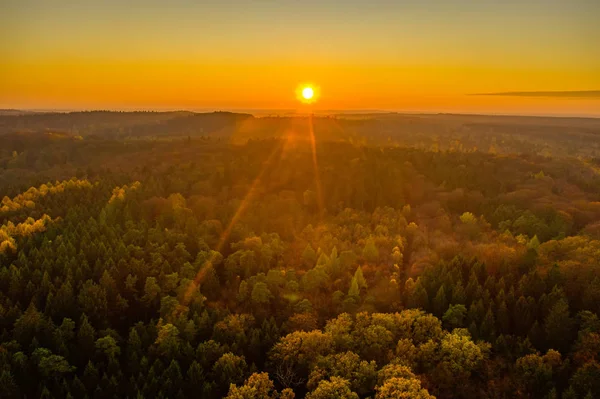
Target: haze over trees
{"points": [[191, 255]]}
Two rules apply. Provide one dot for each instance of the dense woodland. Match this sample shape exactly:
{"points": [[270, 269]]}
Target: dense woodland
{"points": [[237, 258]]}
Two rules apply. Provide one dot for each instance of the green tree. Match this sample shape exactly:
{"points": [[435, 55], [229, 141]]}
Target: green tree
{"points": [[587, 380], [108, 346], [168, 342], [8, 387], [459, 296], [229, 369], [534, 243], [361, 374], [468, 218], [195, 376], [243, 292], [487, 329], [440, 302], [309, 256], [354, 291], [172, 379], [151, 291], [86, 337], [360, 279], [92, 300], [454, 361], [370, 251], [261, 294], [534, 374], [558, 326], [293, 355], [455, 316], [51, 365]]}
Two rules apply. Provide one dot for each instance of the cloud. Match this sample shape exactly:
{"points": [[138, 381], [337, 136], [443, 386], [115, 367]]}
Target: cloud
{"points": [[571, 93]]}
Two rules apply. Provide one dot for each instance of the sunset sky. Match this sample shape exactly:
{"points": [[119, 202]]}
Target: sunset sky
{"points": [[427, 56]]}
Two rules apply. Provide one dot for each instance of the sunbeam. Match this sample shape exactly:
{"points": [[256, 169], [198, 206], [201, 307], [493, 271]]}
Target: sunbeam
{"points": [[313, 145], [236, 217]]}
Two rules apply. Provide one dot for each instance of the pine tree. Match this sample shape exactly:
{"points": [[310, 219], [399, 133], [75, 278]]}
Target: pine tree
{"points": [[370, 251], [77, 388], [309, 256], [487, 328], [8, 387], [503, 319], [172, 379], [90, 377], [534, 243], [360, 279], [458, 294], [194, 377], [440, 302], [86, 339], [354, 291], [421, 299], [558, 326], [536, 335]]}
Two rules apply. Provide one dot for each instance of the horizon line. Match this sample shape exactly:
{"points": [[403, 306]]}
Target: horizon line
{"points": [[282, 112], [547, 93]]}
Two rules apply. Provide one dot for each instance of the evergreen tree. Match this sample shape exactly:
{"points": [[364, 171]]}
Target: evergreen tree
{"points": [[440, 302], [558, 326], [370, 251]]}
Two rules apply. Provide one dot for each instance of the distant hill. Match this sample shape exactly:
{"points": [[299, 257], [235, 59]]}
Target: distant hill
{"points": [[122, 124], [13, 112], [541, 135]]}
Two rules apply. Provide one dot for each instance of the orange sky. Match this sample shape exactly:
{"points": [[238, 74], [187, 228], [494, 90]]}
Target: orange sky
{"points": [[390, 55]]}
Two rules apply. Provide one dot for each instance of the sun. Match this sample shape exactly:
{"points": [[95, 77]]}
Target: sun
{"points": [[308, 93]]}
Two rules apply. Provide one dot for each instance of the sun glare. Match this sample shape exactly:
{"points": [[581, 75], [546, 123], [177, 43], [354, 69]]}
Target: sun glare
{"points": [[308, 93]]}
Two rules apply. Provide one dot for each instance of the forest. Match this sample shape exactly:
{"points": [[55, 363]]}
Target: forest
{"points": [[220, 255]]}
